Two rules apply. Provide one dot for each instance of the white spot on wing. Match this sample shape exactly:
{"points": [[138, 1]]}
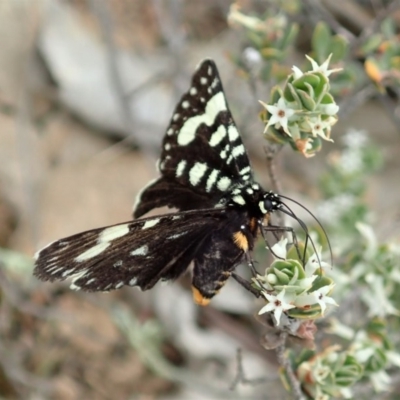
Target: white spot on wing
{"points": [[118, 263], [37, 254], [177, 235], [214, 106], [193, 91], [197, 172], [92, 252], [57, 270], [224, 183], [233, 133], [180, 168], [141, 251], [151, 223], [245, 170], [215, 83], [217, 136], [112, 233], [185, 104], [170, 131], [203, 80], [133, 282], [212, 179], [238, 150], [78, 275], [119, 285], [72, 286], [68, 272], [209, 71], [167, 146], [176, 117], [239, 200]]}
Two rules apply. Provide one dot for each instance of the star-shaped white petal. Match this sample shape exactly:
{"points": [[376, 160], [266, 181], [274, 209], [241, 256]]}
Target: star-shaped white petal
{"points": [[280, 115], [323, 68], [278, 304], [318, 296], [318, 128]]}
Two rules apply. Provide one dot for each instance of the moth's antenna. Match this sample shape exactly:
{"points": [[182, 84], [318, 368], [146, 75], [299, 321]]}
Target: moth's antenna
{"points": [[315, 218], [304, 226]]}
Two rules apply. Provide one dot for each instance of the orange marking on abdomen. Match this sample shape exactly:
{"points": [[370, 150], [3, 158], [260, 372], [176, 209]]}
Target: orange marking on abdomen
{"points": [[253, 225], [199, 298], [241, 241]]}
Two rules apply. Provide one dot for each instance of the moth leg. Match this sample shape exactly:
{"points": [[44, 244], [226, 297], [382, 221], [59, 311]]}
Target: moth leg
{"points": [[277, 228], [250, 263], [245, 284]]}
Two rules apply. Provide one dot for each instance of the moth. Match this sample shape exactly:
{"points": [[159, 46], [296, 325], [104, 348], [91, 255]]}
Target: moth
{"points": [[205, 173]]}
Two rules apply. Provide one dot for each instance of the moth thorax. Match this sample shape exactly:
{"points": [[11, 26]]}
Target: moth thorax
{"points": [[248, 196]]}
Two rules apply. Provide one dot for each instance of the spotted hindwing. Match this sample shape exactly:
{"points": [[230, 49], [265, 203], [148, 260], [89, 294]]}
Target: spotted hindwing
{"points": [[202, 156], [135, 253]]}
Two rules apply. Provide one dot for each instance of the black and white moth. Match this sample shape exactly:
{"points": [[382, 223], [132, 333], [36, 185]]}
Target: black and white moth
{"points": [[206, 175]]}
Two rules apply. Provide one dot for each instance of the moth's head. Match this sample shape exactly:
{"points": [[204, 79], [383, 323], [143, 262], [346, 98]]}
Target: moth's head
{"points": [[270, 202]]}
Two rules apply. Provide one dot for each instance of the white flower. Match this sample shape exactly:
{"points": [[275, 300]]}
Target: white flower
{"points": [[318, 128], [315, 262], [355, 138], [277, 304], [280, 115], [306, 283], [380, 381], [338, 328], [369, 236], [317, 296], [377, 297], [329, 109], [323, 68], [297, 72], [279, 249], [351, 161], [394, 358]]}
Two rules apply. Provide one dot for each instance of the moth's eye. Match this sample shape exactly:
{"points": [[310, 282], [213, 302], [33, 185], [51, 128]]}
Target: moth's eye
{"points": [[268, 204]]}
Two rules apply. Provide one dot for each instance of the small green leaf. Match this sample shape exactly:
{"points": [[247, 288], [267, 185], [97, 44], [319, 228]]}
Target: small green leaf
{"points": [[306, 100], [312, 79], [291, 95], [371, 44], [270, 53], [321, 41], [388, 27], [290, 36], [339, 48]]}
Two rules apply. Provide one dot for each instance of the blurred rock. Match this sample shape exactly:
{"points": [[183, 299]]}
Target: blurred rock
{"points": [[80, 65]]}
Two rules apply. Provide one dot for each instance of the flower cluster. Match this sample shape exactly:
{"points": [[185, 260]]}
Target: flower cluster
{"points": [[300, 292], [329, 373], [304, 111]]}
